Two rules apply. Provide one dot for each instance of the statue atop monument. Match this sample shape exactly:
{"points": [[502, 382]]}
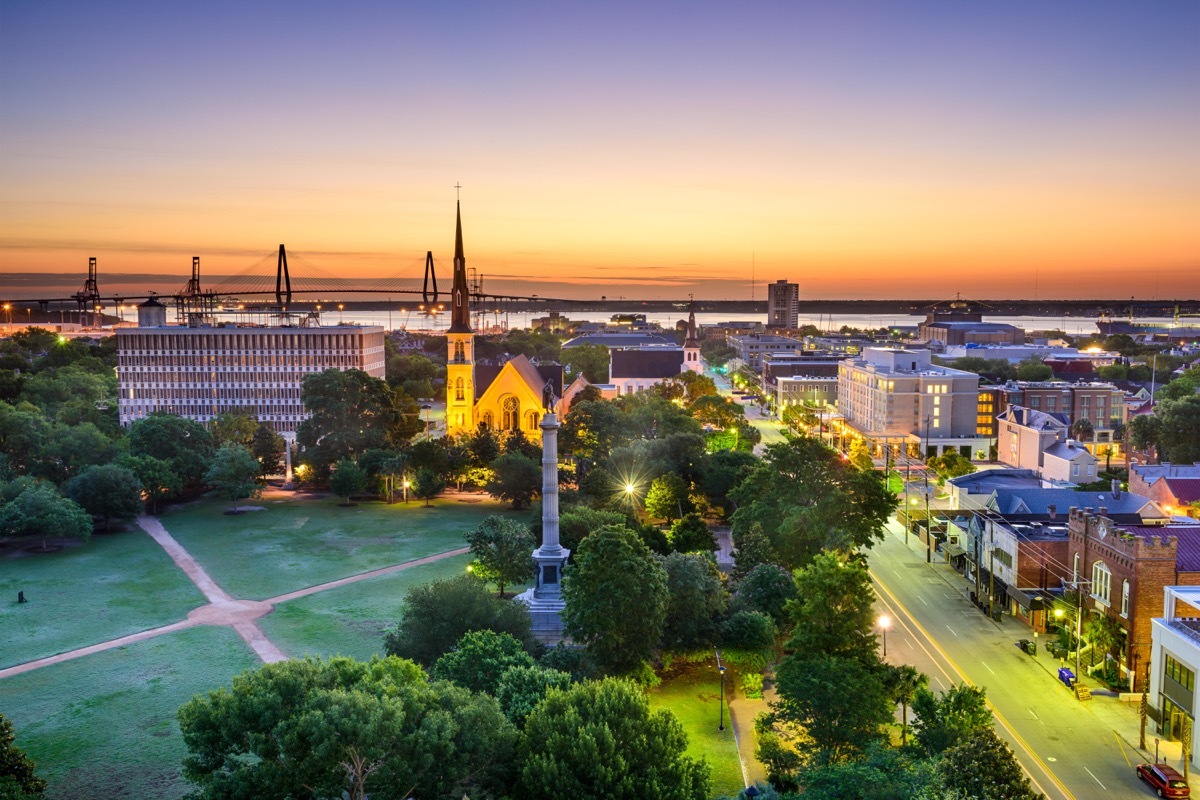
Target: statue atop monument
{"points": [[548, 396]]}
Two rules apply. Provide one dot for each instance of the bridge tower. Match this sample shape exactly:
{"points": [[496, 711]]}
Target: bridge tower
{"points": [[460, 342], [430, 277], [193, 303], [283, 281]]}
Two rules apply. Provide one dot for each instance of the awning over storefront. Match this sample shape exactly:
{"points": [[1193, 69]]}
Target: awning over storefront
{"points": [[1029, 599], [953, 551]]}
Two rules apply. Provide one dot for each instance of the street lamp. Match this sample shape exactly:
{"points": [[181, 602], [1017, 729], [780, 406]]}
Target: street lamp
{"points": [[721, 710], [928, 527], [406, 485], [884, 623], [1058, 614]]}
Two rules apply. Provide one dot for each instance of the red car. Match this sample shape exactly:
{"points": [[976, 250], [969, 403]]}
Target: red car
{"points": [[1164, 780]]}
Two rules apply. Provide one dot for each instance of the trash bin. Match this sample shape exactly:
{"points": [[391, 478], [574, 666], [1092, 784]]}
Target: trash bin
{"points": [[1031, 648], [996, 615], [1066, 676]]}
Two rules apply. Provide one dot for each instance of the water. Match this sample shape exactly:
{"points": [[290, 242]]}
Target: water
{"points": [[412, 320]]}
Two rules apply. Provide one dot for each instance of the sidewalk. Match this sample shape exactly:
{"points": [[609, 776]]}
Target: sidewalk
{"points": [[1123, 718]]}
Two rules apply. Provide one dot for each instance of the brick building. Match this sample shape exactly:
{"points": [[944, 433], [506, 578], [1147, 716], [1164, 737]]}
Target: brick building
{"points": [[1173, 486], [1121, 571], [1101, 404]]}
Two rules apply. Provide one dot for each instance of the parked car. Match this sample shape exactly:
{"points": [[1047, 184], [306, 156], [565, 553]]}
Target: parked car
{"points": [[1164, 780]]}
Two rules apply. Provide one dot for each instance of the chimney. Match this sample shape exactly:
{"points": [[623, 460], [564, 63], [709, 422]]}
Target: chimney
{"points": [[1116, 489], [1102, 511], [1053, 511]]}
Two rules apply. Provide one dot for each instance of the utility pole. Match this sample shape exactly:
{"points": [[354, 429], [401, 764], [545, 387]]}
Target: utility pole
{"points": [[928, 525]]}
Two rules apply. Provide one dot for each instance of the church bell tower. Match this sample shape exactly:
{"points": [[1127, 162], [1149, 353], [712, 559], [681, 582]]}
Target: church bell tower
{"points": [[460, 340]]}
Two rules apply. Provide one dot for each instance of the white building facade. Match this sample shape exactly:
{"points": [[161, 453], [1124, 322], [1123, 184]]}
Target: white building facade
{"points": [[1174, 664], [200, 372]]}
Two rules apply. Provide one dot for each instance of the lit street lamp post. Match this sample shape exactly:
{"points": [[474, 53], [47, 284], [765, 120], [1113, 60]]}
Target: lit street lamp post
{"points": [[884, 623], [406, 485], [721, 710]]}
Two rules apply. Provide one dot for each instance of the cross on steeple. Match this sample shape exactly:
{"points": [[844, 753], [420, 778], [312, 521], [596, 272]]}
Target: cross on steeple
{"points": [[457, 192]]}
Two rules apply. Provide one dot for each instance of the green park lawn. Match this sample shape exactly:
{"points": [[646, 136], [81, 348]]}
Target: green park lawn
{"points": [[109, 586], [300, 542], [694, 697], [104, 726], [350, 620]]}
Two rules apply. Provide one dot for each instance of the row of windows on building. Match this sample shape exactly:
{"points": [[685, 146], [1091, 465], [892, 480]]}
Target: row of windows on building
{"points": [[229, 362], [156, 394], [224, 342]]}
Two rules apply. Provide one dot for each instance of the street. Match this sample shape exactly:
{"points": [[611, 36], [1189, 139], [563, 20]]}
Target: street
{"points": [[1070, 749]]}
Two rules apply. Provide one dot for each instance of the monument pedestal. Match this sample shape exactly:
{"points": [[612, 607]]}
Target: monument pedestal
{"points": [[545, 600]]}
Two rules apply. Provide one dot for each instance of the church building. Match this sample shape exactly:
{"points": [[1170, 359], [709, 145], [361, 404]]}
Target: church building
{"points": [[635, 369], [508, 397]]}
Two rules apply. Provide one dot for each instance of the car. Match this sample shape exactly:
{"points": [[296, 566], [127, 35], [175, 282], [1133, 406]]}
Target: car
{"points": [[1164, 780]]}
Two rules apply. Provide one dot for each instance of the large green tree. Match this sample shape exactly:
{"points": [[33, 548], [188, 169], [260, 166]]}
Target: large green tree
{"points": [[690, 534], [983, 767], [517, 479], [479, 659], [18, 780], [666, 497], [183, 443], [502, 550], [697, 599], [616, 593], [234, 427], [39, 510], [1179, 434], [767, 588], [267, 447], [807, 500], [521, 688], [840, 702], [158, 478], [833, 611], [599, 740], [350, 413], [347, 480], [589, 360], [233, 473], [943, 721], [108, 492], [311, 728], [435, 616]]}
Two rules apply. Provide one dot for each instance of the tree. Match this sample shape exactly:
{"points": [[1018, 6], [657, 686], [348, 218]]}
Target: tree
{"points": [[753, 548], [183, 443], [666, 496], [316, 728], [600, 741], [617, 596], [66, 451], [860, 456], [479, 659], [834, 610], [1031, 369], [903, 683], [1144, 431], [347, 480], [1179, 439], [982, 766], [691, 535], [521, 688], [589, 360], [882, 771], [18, 780], [518, 479], [436, 615], [767, 588], [159, 480], [502, 550], [577, 522], [1082, 430], [840, 702], [108, 492], [951, 464], [39, 510], [749, 630], [696, 600], [350, 413], [943, 722], [234, 474], [807, 499], [234, 427], [483, 446], [717, 410], [267, 447], [716, 352], [427, 485]]}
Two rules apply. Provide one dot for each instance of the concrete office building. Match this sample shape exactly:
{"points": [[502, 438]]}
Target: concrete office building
{"points": [[204, 370], [783, 305]]}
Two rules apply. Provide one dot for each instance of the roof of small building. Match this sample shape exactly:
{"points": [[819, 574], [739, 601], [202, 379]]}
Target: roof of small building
{"points": [[618, 340], [1187, 542], [985, 481], [656, 362], [1030, 418], [973, 326], [1068, 451], [1038, 501], [1185, 490]]}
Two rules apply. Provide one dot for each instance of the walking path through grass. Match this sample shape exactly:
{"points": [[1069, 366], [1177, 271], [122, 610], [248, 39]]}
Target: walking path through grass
{"points": [[222, 609]]}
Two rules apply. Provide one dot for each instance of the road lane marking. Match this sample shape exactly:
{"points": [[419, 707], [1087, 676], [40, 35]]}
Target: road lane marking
{"points": [[951, 630], [922, 599], [1128, 763], [899, 607], [1097, 780], [1033, 714], [985, 666]]}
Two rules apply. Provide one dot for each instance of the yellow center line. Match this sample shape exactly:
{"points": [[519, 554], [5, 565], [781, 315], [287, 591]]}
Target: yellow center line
{"points": [[1124, 755], [996, 713]]}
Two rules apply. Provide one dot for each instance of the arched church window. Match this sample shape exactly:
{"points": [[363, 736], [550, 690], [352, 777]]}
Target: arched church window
{"points": [[460, 353], [459, 389], [510, 412], [489, 421], [531, 420]]}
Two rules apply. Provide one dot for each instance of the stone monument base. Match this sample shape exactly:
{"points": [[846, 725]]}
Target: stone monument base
{"points": [[547, 616]]}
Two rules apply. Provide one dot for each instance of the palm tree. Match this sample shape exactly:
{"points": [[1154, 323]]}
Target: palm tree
{"points": [[903, 683], [1082, 430]]}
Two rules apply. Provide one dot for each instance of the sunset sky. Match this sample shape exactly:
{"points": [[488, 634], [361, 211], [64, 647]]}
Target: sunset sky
{"points": [[649, 149]]}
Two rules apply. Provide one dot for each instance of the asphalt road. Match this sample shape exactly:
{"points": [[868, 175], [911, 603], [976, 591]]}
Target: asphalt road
{"points": [[1067, 747]]}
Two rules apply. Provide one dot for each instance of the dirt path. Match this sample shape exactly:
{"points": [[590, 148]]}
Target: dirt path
{"points": [[222, 609]]}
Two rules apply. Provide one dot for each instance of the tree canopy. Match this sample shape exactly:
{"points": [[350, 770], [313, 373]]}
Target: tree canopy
{"points": [[502, 549], [352, 412]]}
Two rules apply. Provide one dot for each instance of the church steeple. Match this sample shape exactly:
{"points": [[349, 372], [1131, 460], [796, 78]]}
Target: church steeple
{"points": [[691, 345], [691, 340], [460, 309]]}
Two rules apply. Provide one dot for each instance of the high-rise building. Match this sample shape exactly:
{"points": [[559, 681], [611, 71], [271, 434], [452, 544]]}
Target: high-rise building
{"points": [[783, 305], [200, 371]]}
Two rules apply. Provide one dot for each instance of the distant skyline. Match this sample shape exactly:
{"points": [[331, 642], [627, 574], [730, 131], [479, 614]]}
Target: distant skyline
{"points": [[651, 150]]}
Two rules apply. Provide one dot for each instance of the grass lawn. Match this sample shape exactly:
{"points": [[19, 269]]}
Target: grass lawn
{"points": [[110, 586], [694, 697], [104, 726], [297, 543], [350, 620]]}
